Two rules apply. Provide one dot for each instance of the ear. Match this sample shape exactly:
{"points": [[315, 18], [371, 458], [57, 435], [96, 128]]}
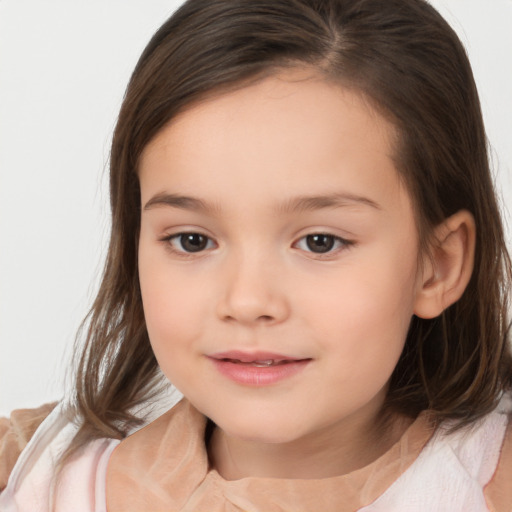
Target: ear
{"points": [[447, 271]]}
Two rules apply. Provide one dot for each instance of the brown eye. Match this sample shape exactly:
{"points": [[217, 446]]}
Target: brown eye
{"points": [[320, 243], [190, 242]]}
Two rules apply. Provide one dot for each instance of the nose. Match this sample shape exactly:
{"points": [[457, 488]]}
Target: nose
{"points": [[253, 293]]}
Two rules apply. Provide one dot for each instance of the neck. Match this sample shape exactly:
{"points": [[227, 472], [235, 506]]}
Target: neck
{"points": [[332, 452]]}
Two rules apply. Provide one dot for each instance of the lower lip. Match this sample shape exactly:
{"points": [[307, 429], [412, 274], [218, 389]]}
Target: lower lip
{"points": [[259, 375]]}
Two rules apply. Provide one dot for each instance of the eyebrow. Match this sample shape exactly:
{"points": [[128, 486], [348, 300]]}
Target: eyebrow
{"points": [[336, 200], [179, 201], [297, 204]]}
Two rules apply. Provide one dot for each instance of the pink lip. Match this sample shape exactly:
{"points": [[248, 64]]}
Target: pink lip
{"points": [[235, 365], [248, 357]]}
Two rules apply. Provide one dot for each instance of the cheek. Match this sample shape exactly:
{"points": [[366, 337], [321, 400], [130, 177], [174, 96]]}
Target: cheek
{"points": [[364, 319], [172, 328], [171, 306]]}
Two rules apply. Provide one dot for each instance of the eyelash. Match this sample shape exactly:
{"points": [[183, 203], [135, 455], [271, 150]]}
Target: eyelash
{"points": [[180, 237], [335, 244]]}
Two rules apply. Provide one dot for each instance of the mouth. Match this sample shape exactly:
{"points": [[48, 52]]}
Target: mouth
{"points": [[266, 363], [257, 369], [259, 359]]}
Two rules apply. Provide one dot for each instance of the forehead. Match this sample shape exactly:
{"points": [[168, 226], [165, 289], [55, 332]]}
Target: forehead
{"points": [[278, 136]]}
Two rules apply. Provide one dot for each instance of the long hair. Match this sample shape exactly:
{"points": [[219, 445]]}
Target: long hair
{"points": [[407, 61]]}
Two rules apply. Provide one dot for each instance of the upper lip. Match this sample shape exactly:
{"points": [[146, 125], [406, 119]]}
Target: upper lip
{"points": [[248, 357]]}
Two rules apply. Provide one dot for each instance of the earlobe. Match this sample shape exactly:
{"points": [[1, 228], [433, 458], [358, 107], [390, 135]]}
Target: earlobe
{"points": [[448, 270]]}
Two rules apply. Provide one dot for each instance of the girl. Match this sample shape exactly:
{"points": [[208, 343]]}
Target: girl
{"points": [[306, 243]]}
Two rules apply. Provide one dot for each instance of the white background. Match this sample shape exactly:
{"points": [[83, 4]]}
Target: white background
{"points": [[64, 65]]}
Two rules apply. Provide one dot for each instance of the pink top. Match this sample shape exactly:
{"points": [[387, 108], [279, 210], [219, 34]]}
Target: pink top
{"points": [[164, 466]]}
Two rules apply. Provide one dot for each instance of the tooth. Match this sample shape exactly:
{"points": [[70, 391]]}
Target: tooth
{"points": [[263, 364]]}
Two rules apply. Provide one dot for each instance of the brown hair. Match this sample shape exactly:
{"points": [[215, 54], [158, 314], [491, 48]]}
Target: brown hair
{"points": [[403, 57]]}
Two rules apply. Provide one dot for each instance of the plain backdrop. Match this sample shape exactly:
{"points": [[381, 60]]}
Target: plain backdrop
{"points": [[64, 66]]}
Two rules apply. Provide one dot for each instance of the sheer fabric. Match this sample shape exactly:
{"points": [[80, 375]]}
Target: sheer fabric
{"points": [[164, 466]]}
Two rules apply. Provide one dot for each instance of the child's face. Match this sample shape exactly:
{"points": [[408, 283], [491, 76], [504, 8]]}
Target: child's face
{"points": [[302, 247]]}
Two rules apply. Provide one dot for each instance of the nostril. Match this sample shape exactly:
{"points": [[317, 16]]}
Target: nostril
{"points": [[251, 308]]}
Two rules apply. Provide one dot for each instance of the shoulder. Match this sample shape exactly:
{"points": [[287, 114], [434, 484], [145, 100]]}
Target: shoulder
{"points": [[161, 465], [177, 425], [467, 469], [32, 485], [15, 433], [82, 484], [498, 492]]}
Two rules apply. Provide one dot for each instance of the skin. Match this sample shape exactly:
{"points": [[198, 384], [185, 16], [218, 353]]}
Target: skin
{"points": [[249, 157]]}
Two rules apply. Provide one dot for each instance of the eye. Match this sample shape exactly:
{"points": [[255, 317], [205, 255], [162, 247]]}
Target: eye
{"points": [[321, 243], [190, 242]]}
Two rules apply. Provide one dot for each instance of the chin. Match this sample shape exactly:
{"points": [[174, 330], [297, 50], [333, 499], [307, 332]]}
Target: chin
{"points": [[258, 429]]}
